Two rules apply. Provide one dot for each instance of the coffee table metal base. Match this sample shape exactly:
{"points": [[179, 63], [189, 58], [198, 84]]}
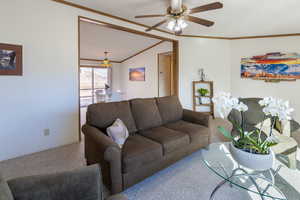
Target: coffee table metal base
{"points": [[261, 192]]}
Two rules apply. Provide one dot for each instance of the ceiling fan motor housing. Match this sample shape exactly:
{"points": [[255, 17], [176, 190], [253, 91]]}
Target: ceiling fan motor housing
{"points": [[175, 13], [176, 6]]}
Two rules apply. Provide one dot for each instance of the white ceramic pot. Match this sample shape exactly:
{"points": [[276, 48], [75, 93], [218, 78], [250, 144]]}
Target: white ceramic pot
{"points": [[257, 162]]}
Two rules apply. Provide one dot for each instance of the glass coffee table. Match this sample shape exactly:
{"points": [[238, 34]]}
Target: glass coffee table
{"points": [[218, 159]]}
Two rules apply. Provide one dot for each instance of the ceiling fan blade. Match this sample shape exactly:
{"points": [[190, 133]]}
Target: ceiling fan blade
{"points": [[146, 16], [207, 7], [197, 20], [156, 25]]}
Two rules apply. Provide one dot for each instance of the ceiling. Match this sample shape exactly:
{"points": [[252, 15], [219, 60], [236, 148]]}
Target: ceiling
{"points": [[238, 17], [96, 39]]}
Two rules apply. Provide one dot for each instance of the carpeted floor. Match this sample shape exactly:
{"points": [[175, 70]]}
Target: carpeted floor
{"points": [[188, 179]]}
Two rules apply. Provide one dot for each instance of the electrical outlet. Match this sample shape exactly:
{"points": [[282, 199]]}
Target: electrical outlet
{"points": [[46, 132]]}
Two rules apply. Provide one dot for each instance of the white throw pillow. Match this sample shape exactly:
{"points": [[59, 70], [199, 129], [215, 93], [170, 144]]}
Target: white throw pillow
{"points": [[118, 132]]}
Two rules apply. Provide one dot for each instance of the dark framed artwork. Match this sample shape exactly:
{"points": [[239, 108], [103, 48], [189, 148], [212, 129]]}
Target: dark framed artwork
{"points": [[11, 59], [137, 74]]}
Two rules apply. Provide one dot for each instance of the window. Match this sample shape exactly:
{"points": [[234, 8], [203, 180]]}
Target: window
{"points": [[92, 81]]}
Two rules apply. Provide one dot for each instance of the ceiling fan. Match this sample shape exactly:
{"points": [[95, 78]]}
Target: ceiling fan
{"points": [[178, 13]]}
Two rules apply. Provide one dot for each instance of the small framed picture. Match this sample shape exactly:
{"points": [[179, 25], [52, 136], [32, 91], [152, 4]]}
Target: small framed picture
{"points": [[11, 60], [137, 74]]}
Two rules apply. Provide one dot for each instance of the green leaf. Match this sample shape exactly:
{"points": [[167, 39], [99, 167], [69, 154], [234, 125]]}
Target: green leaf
{"points": [[226, 133]]}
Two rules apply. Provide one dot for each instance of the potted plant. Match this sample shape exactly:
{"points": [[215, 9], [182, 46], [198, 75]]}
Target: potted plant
{"points": [[252, 149], [202, 92]]}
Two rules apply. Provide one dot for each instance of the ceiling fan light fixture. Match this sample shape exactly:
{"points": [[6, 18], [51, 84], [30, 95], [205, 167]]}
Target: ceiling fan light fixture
{"points": [[177, 25], [105, 62]]}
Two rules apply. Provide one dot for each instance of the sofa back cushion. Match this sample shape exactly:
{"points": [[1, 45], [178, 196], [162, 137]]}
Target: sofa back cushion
{"points": [[170, 108], [5, 192], [146, 113], [102, 115]]}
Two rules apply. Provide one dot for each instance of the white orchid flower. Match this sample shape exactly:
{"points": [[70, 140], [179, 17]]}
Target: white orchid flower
{"points": [[277, 108], [241, 107], [225, 103]]}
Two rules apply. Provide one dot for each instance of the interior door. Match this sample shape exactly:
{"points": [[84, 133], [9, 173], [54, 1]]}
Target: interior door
{"points": [[164, 74]]}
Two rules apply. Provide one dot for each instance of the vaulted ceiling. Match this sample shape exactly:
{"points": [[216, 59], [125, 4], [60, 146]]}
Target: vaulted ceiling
{"points": [[237, 18], [95, 39]]}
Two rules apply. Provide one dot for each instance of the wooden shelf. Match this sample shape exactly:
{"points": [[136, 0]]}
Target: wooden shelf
{"points": [[207, 82], [204, 96], [204, 104], [209, 86]]}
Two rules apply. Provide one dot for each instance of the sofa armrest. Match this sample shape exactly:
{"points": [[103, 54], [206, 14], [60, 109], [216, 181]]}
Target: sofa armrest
{"points": [[196, 117], [99, 148], [80, 184], [105, 144], [117, 197]]}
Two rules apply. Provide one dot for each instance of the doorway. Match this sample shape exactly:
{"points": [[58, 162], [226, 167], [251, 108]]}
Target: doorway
{"points": [[165, 74], [89, 59]]}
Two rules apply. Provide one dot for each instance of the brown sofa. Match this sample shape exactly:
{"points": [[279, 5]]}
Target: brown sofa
{"points": [[161, 133]]}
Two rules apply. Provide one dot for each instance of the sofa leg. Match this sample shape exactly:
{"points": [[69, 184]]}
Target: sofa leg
{"points": [[292, 158]]}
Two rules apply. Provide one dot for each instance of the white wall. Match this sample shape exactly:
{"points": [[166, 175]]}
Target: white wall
{"points": [[46, 96], [210, 54], [253, 88], [116, 76], [149, 60]]}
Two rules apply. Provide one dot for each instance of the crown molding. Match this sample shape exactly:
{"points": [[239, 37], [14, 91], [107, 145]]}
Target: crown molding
{"points": [[243, 37], [98, 60], [142, 51], [206, 37], [265, 36]]}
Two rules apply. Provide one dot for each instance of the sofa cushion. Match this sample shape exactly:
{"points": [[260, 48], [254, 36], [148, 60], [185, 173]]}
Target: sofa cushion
{"points": [[5, 192], [170, 140], [196, 132], [138, 150], [146, 113], [170, 108], [102, 115]]}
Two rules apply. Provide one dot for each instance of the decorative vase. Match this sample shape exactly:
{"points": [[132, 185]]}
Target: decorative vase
{"points": [[200, 100], [258, 162]]}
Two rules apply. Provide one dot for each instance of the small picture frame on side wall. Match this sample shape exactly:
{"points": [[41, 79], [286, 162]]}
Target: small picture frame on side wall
{"points": [[137, 74], [11, 61]]}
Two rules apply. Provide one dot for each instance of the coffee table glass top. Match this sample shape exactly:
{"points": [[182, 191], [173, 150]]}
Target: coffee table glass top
{"points": [[278, 183]]}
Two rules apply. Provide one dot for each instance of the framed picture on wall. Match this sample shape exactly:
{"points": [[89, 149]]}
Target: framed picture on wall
{"points": [[272, 67], [137, 74], [11, 60]]}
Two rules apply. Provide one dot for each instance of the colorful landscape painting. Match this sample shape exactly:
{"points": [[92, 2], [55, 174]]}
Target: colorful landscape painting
{"points": [[137, 74], [272, 65]]}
